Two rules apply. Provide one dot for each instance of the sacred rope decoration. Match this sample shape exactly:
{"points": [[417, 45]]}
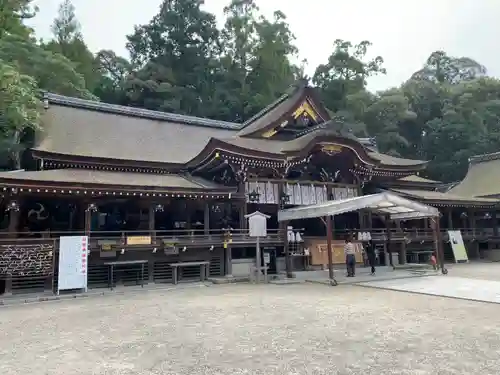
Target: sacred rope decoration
{"points": [[27, 259]]}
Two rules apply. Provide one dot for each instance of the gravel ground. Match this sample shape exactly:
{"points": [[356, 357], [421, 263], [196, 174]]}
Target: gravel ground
{"points": [[479, 270], [252, 329]]}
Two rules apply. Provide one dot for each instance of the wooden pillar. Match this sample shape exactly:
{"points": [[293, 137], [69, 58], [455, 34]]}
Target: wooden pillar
{"points": [[188, 213], [228, 269], [450, 218], [90, 208], [329, 237], [370, 220], [243, 205], [387, 221], [151, 222], [14, 218], [243, 213], [361, 220], [206, 219], [494, 223], [402, 254]]}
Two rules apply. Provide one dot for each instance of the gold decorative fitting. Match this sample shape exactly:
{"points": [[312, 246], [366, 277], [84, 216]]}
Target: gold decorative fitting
{"points": [[331, 148], [269, 133]]}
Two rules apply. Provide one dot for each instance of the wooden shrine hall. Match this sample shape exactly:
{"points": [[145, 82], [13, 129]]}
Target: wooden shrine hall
{"points": [[165, 188]]}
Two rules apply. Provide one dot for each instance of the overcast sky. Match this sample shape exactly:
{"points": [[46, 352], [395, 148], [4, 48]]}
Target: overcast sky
{"points": [[404, 33]]}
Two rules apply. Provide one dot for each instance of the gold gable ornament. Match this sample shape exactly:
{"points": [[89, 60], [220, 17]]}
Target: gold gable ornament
{"points": [[305, 107], [331, 149]]}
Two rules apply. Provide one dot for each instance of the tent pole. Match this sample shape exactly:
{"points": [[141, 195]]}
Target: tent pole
{"points": [[329, 236], [288, 265], [387, 222], [439, 245]]}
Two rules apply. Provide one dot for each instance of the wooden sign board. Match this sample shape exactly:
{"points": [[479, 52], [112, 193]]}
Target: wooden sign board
{"points": [[139, 240], [171, 250], [319, 254], [106, 245]]}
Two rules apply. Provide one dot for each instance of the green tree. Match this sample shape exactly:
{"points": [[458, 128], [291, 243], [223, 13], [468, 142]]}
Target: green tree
{"points": [[13, 13], [442, 68], [272, 72], [345, 73], [20, 110], [469, 125], [114, 72], [68, 41], [255, 59], [176, 55], [52, 71], [25, 67]]}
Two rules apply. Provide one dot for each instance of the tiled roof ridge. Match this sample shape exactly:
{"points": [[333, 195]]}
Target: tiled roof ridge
{"points": [[167, 116], [484, 157], [137, 112]]}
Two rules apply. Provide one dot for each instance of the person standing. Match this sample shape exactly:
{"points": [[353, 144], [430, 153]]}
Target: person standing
{"points": [[350, 259], [370, 254]]}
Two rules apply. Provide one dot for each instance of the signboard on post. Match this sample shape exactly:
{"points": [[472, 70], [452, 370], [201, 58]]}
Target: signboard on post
{"points": [[458, 246], [73, 256], [257, 224], [257, 227]]}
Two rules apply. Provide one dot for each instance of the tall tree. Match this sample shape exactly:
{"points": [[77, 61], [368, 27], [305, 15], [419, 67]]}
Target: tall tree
{"points": [[175, 51], [239, 39], [345, 73], [255, 58], [272, 72], [68, 41], [442, 68]]}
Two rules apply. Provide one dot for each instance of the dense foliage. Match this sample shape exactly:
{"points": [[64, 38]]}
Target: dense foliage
{"points": [[182, 62]]}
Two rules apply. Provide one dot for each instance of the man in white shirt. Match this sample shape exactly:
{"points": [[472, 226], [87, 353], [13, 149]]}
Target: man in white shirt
{"points": [[350, 259]]}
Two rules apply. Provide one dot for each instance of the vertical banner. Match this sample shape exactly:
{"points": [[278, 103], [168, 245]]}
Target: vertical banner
{"points": [[458, 246], [73, 256]]}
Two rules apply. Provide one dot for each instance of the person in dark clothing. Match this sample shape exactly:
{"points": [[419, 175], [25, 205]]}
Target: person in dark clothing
{"points": [[370, 254]]}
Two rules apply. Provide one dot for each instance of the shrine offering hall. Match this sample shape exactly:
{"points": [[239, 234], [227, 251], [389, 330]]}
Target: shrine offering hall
{"points": [[162, 197]]}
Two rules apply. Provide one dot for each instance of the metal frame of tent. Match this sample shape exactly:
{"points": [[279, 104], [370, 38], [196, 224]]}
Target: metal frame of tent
{"points": [[388, 205]]}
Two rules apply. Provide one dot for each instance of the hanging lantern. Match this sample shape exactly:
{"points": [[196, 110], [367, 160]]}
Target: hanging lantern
{"points": [[254, 196], [285, 198], [92, 207], [12, 206]]}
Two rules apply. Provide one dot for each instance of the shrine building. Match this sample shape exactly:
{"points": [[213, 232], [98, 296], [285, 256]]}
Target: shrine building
{"points": [[164, 188]]}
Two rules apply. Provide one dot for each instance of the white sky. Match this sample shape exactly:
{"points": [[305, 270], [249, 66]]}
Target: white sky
{"points": [[404, 33]]}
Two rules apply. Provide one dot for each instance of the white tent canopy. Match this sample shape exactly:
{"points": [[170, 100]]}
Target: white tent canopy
{"points": [[383, 203]]}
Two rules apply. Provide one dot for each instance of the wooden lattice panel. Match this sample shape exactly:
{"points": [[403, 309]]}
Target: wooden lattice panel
{"points": [[216, 266]]}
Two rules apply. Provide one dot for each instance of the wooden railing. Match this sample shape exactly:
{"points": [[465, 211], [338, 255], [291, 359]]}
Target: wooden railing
{"points": [[178, 237], [217, 237]]}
